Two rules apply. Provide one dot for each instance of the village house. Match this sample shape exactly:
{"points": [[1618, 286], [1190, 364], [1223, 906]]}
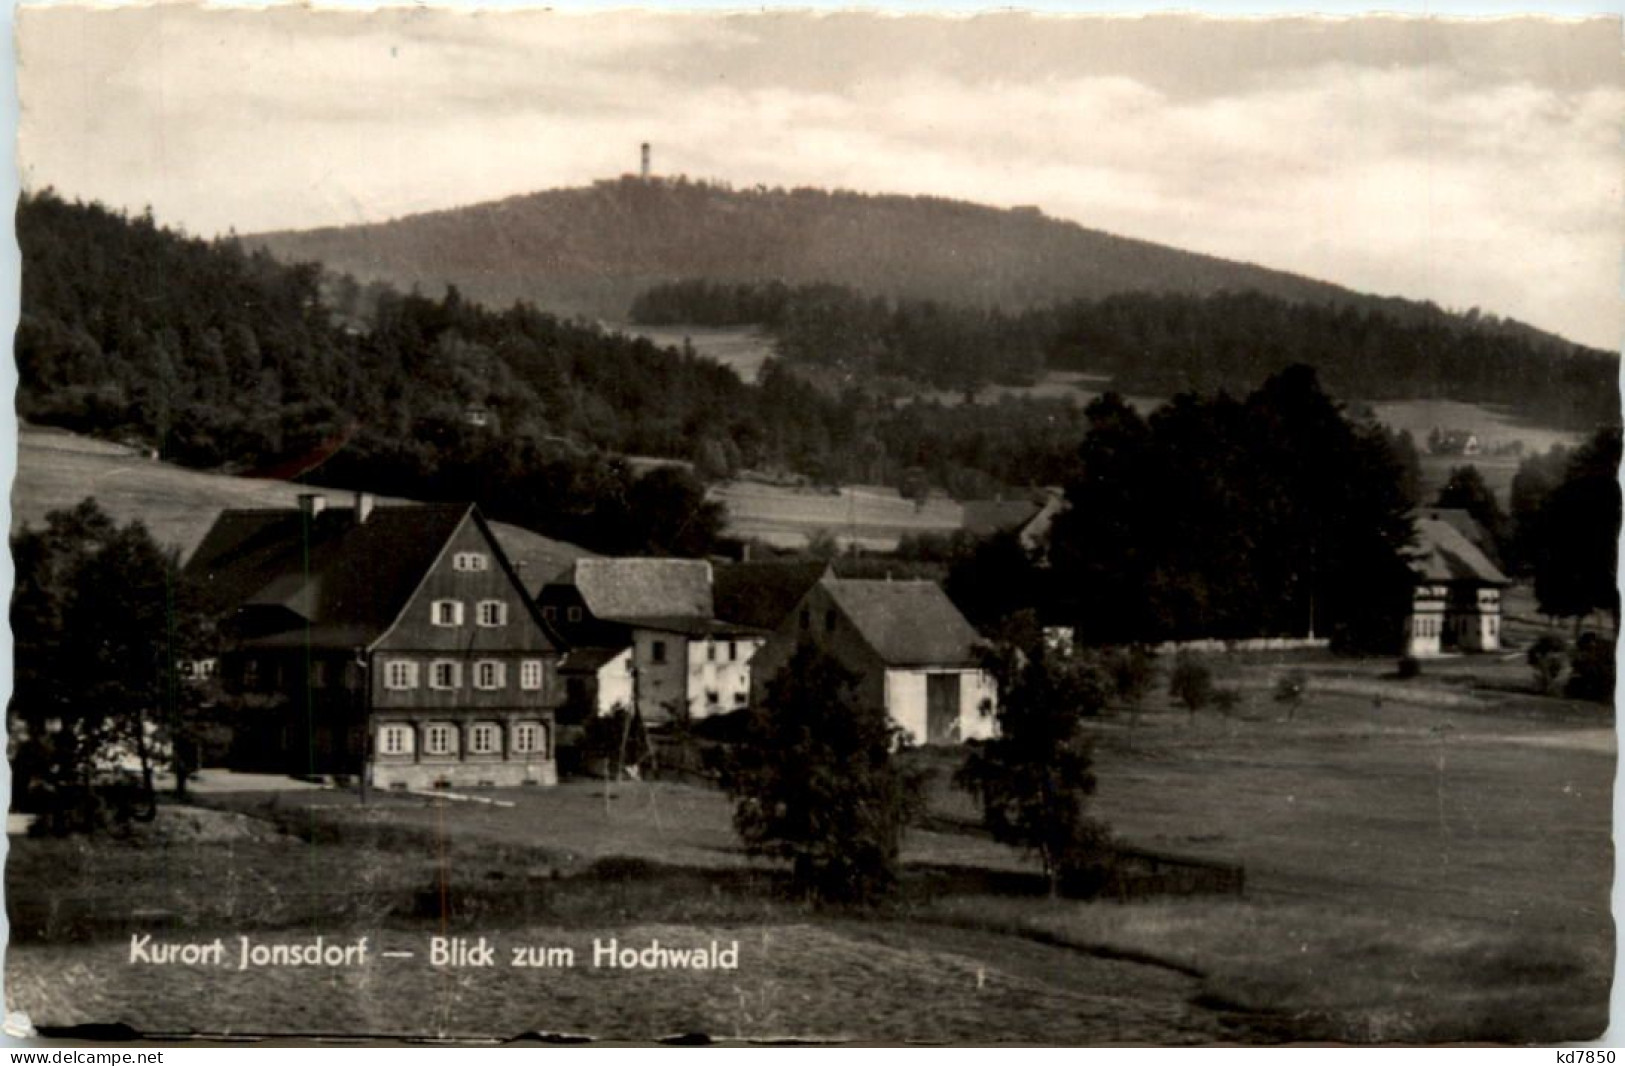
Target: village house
{"points": [[393, 641], [642, 634], [1456, 599], [912, 651]]}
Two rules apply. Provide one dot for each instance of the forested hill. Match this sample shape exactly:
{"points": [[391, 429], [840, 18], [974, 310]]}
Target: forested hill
{"points": [[593, 250], [219, 358]]}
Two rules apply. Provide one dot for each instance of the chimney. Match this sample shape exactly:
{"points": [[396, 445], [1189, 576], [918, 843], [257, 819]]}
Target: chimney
{"points": [[363, 506], [312, 504], [645, 160]]}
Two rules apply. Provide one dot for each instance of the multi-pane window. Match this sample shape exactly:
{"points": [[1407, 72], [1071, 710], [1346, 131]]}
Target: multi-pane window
{"points": [[395, 740], [527, 738], [446, 612], [445, 674], [484, 738], [439, 738], [492, 613], [400, 674], [471, 562], [530, 675], [489, 674]]}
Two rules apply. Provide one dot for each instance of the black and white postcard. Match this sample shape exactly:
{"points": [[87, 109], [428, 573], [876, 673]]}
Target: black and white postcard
{"points": [[558, 527]]}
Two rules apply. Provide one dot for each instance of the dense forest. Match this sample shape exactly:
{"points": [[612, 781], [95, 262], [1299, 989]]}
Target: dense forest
{"points": [[1160, 345]]}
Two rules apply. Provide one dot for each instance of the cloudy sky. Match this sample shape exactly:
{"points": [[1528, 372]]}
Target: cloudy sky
{"points": [[1475, 163]]}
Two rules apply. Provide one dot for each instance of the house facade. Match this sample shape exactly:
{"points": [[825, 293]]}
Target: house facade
{"points": [[648, 628], [912, 651], [1456, 598], [395, 642]]}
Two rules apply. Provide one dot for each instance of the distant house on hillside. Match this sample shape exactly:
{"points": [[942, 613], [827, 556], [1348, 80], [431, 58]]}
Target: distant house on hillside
{"points": [[1456, 601], [912, 650], [392, 641], [660, 611]]}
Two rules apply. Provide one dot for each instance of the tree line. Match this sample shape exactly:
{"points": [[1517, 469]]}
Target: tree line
{"points": [[1213, 517], [1159, 344]]}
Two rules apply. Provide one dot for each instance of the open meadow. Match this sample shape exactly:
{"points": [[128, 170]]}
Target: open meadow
{"points": [[873, 518], [1427, 860], [57, 469]]}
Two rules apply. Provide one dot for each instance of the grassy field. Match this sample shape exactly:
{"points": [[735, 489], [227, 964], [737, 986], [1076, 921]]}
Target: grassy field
{"points": [[56, 469], [872, 517], [1426, 861], [743, 348]]}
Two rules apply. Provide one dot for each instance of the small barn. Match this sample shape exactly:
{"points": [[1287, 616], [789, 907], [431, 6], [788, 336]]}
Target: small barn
{"points": [[913, 652]]}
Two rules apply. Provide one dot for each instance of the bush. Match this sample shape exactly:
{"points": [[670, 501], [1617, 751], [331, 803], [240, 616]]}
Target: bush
{"points": [[1133, 672], [1548, 657], [1592, 676], [1191, 684], [1409, 667], [1290, 690]]}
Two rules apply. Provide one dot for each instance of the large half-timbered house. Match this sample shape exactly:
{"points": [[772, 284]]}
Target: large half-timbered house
{"points": [[397, 642]]}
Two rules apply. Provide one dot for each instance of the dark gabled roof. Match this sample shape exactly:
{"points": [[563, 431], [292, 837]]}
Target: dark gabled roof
{"points": [[1465, 524], [1443, 553], [699, 627], [347, 581], [762, 594], [590, 660], [986, 517], [906, 623], [632, 590], [535, 558]]}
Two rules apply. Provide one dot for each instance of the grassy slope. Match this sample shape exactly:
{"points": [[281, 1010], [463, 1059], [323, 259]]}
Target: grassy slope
{"points": [[57, 469], [1430, 868]]}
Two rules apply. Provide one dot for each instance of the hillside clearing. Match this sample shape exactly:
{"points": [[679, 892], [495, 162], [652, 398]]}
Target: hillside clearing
{"points": [[56, 469]]}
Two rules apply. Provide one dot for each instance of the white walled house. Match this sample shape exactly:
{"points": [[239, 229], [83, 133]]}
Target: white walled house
{"points": [[642, 635], [1456, 601], [912, 651]]}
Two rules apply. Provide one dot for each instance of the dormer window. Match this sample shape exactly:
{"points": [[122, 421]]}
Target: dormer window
{"points": [[446, 612], [471, 562], [492, 613]]}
